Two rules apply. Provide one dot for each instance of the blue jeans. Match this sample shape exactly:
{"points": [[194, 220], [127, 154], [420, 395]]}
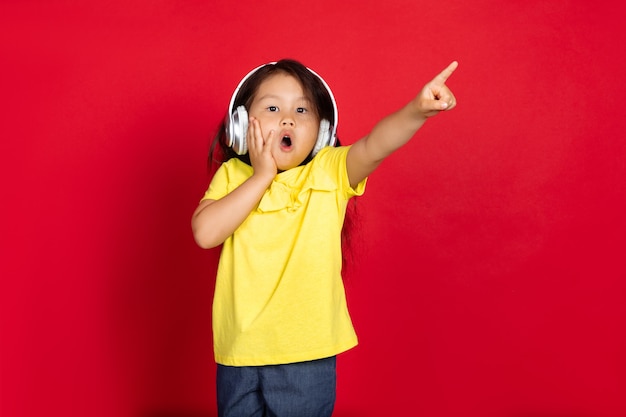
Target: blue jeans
{"points": [[297, 389]]}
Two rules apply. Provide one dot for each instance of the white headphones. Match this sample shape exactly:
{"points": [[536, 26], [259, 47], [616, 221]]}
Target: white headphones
{"points": [[237, 121]]}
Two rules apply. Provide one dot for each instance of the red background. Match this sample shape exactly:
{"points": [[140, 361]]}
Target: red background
{"points": [[490, 273]]}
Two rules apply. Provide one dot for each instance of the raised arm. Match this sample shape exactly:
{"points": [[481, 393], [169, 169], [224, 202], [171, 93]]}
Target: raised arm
{"points": [[398, 128]]}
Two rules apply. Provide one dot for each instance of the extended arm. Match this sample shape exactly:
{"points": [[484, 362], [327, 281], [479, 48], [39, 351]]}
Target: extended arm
{"points": [[398, 128]]}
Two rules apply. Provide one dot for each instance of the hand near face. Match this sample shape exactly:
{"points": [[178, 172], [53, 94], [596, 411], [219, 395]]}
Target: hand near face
{"points": [[436, 96], [260, 149]]}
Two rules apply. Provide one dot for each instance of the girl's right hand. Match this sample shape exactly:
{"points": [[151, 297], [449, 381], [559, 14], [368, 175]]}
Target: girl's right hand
{"points": [[260, 150]]}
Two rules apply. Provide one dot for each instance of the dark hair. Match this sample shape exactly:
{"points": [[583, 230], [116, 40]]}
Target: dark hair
{"points": [[315, 91], [313, 87]]}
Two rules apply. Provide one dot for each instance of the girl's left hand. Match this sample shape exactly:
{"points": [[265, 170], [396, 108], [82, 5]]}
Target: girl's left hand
{"points": [[436, 96]]}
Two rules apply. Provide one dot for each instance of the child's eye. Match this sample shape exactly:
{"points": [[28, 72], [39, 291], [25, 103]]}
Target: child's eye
{"points": [[301, 110], [272, 108]]}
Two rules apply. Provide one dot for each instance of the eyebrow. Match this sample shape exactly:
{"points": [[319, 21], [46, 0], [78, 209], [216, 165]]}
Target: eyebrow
{"points": [[274, 96]]}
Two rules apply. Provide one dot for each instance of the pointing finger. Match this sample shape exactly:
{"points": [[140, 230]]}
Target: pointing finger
{"points": [[446, 73]]}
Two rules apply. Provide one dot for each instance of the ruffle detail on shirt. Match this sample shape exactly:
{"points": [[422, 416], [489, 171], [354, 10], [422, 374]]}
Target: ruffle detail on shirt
{"points": [[281, 196]]}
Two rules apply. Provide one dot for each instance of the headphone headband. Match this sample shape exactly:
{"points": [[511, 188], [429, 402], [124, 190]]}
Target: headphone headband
{"points": [[330, 93]]}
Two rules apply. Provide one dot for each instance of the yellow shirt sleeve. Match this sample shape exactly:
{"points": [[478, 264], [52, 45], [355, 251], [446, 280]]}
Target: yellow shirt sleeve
{"points": [[279, 295]]}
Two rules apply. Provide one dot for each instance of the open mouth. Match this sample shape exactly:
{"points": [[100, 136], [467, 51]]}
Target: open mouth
{"points": [[285, 141]]}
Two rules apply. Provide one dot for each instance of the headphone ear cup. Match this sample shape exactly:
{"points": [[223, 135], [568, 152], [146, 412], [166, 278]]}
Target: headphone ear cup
{"points": [[324, 137], [237, 130]]}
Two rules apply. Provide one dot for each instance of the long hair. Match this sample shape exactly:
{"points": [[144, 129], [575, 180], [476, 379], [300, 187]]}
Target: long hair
{"points": [[318, 94]]}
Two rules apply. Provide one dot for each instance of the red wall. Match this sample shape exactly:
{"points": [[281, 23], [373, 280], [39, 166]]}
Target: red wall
{"points": [[491, 273]]}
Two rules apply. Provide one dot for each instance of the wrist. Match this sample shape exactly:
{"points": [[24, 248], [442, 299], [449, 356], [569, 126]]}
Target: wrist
{"points": [[416, 114], [262, 178]]}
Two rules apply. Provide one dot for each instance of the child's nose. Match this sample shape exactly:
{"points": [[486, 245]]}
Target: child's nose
{"points": [[287, 121]]}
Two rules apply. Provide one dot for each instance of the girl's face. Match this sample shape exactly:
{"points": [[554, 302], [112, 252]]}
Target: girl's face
{"points": [[280, 104]]}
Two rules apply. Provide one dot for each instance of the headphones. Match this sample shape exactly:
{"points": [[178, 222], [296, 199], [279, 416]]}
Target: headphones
{"points": [[237, 121]]}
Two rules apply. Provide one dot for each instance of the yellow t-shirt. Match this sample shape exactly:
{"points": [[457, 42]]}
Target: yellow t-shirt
{"points": [[279, 295]]}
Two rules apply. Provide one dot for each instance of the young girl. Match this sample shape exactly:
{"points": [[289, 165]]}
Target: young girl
{"points": [[277, 206]]}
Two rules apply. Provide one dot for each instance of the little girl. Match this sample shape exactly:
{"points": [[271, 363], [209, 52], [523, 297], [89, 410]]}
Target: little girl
{"points": [[277, 206]]}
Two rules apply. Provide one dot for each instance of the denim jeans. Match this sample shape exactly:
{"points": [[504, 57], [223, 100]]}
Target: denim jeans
{"points": [[304, 389]]}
